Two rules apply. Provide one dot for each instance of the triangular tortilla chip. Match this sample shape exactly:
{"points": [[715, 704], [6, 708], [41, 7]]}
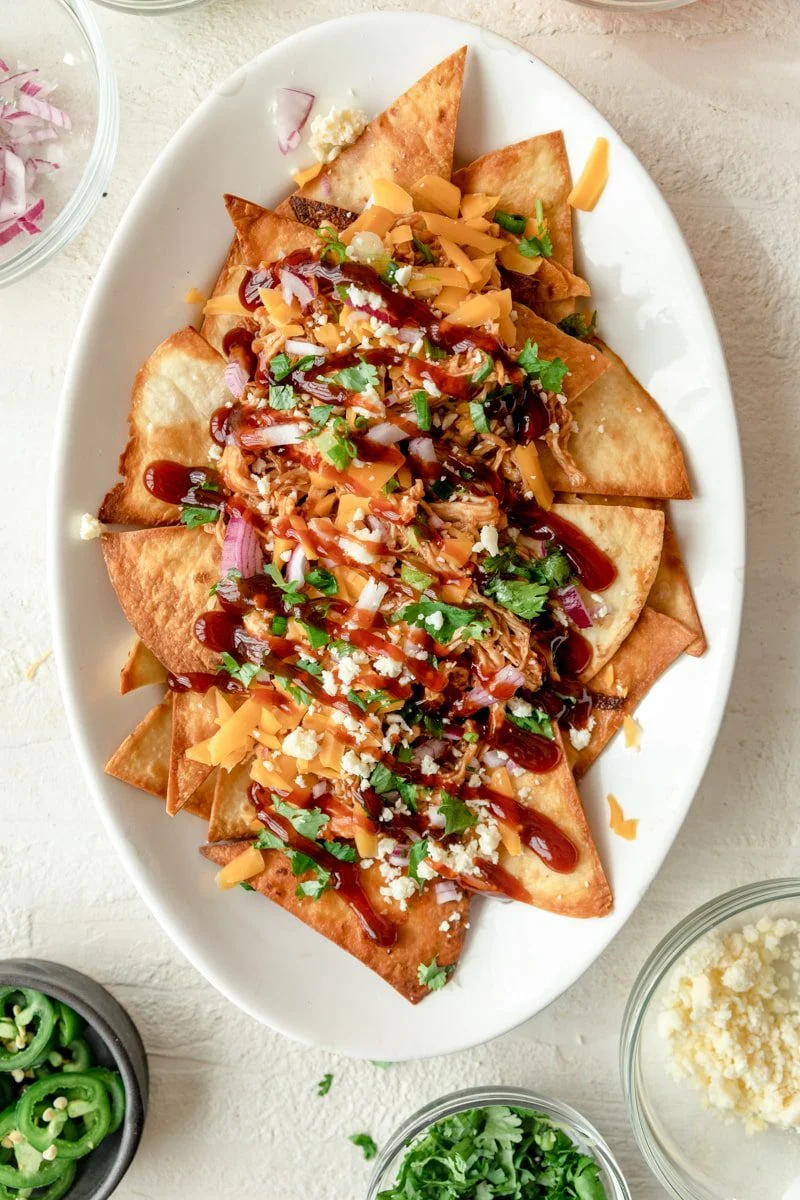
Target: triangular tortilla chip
{"points": [[174, 394], [233, 812], [623, 443], [216, 325], [551, 284], [651, 647], [200, 802], [162, 579], [583, 892], [193, 720], [419, 935], [140, 669], [315, 213], [632, 539], [671, 593], [413, 137], [586, 364], [143, 758], [264, 236]]}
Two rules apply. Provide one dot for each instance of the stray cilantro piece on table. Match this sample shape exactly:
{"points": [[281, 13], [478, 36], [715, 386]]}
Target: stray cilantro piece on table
{"points": [[331, 244], [549, 371], [416, 855], [324, 1085], [193, 515], [538, 722], [457, 816], [422, 409], [282, 397], [577, 325], [244, 672], [432, 976], [478, 414], [358, 378], [324, 581], [376, 1062], [442, 620], [423, 248], [365, 1143]]}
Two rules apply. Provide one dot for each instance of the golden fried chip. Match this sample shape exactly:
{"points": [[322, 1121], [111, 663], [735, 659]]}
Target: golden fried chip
{"points": [[419, 937], [200, 802], [233, 812], [413, 137], [586, 364], [162, 579], [651, 647], [174, 394], [143, 758], [193, 720], [623, 443], [264, 236], [583, 892], [316, 214], [632, 538], [141, 668], [216, 325]]}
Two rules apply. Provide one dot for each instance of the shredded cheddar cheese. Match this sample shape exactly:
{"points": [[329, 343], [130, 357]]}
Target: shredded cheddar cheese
{"points": [[624, 827]]}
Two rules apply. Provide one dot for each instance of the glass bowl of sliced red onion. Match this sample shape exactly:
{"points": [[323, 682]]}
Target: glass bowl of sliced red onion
{"points": [[59, 118]]}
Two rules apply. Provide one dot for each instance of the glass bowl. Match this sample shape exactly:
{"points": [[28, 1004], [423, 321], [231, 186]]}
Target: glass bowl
{"points": [[583, 1134], [634, 5], [693, 1153], [150, 6], [60, 38]]}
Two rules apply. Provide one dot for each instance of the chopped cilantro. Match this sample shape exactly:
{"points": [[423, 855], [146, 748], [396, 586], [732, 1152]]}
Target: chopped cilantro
{"points": [[331, 243], [511, 222], [358, 378], [292, 595], [324, 1085], [536, 247], [298, 694], [193, 515], [495, 1151], [434, 353], [422, 409], [405, 754], [320, 413], [312, 888], [317, 638], [390, 271], [359, 701], [306, 821], [390, 486], [282, 397], [453, 619], [478, 414], [443, 488], [365, 1143], [423, 248], [470, 736], [414, 577], [577, 325], [432, 976], [279, 625], [538, 722], [484, 370], [244, 672], [554, 569], [299, 862], [341, 851], [281, 365], [524, 599], [335, 443], [416, 855], [248, 887], [324, 581], [549, 371], [457, 816], [342, 647], [310, 666], [383, 780]]}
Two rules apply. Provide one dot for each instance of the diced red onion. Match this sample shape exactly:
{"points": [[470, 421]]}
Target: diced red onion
{"points": [[422, 450], [31, 106], [436, 818], [296, 566], [241, 548], [13, 200], [385, 433], [446, 891], [292, 107], [433, 746], [477, 697], [505, 682], [574, 607], [408, 335], [284, 433], [11, 229], [295, 346], [319, 789], [399, 857], [493, 758], [371, 596], [293, 286], [236, 379]]}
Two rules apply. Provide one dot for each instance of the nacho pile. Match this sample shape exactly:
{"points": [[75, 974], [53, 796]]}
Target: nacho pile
{"points": [[402, 557]]}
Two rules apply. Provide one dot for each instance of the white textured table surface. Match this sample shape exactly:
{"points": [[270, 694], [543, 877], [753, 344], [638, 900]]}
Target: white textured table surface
{"points": [[707, 97]]}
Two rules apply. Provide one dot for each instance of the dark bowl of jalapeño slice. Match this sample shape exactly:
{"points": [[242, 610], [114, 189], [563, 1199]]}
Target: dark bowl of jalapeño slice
{"points": [[73, 1084]]}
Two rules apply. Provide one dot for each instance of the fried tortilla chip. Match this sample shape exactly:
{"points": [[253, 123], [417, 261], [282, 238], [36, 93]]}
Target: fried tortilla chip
{"points": [[419, 939], [632, 538], [671, 592], [162, 579], [315, 213], [174, 394], [552, 283], [586, 364], [623, 444], [651, 647], [216, 325], [583, 892], [233, 812], [141, 668], [413, 137], [200, 802], [194, 717], [143, 758], [264, 236]]}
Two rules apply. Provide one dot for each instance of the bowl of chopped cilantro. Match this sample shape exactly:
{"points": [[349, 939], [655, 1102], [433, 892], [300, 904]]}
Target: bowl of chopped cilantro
{"points": [[497, 1142]]}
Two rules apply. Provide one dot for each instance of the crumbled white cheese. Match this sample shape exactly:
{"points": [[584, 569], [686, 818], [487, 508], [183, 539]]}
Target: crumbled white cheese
{"points": [[329, 134], [488, 839], [403, 276], [354, 763], [301, 743], [329, 683], [520, 708], [357, 551], [428, 765], [580, 738], [347, 670], [388, 667], [90, 527], [731, 1017], [435, 620], [400, 890], [361, 298]]}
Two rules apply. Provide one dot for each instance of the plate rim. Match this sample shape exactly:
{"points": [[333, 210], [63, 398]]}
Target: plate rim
{"points": [[58, 540]]}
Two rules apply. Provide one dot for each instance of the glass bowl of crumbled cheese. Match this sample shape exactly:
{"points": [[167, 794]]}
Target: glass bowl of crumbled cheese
{"points": [[710, 1049]]}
